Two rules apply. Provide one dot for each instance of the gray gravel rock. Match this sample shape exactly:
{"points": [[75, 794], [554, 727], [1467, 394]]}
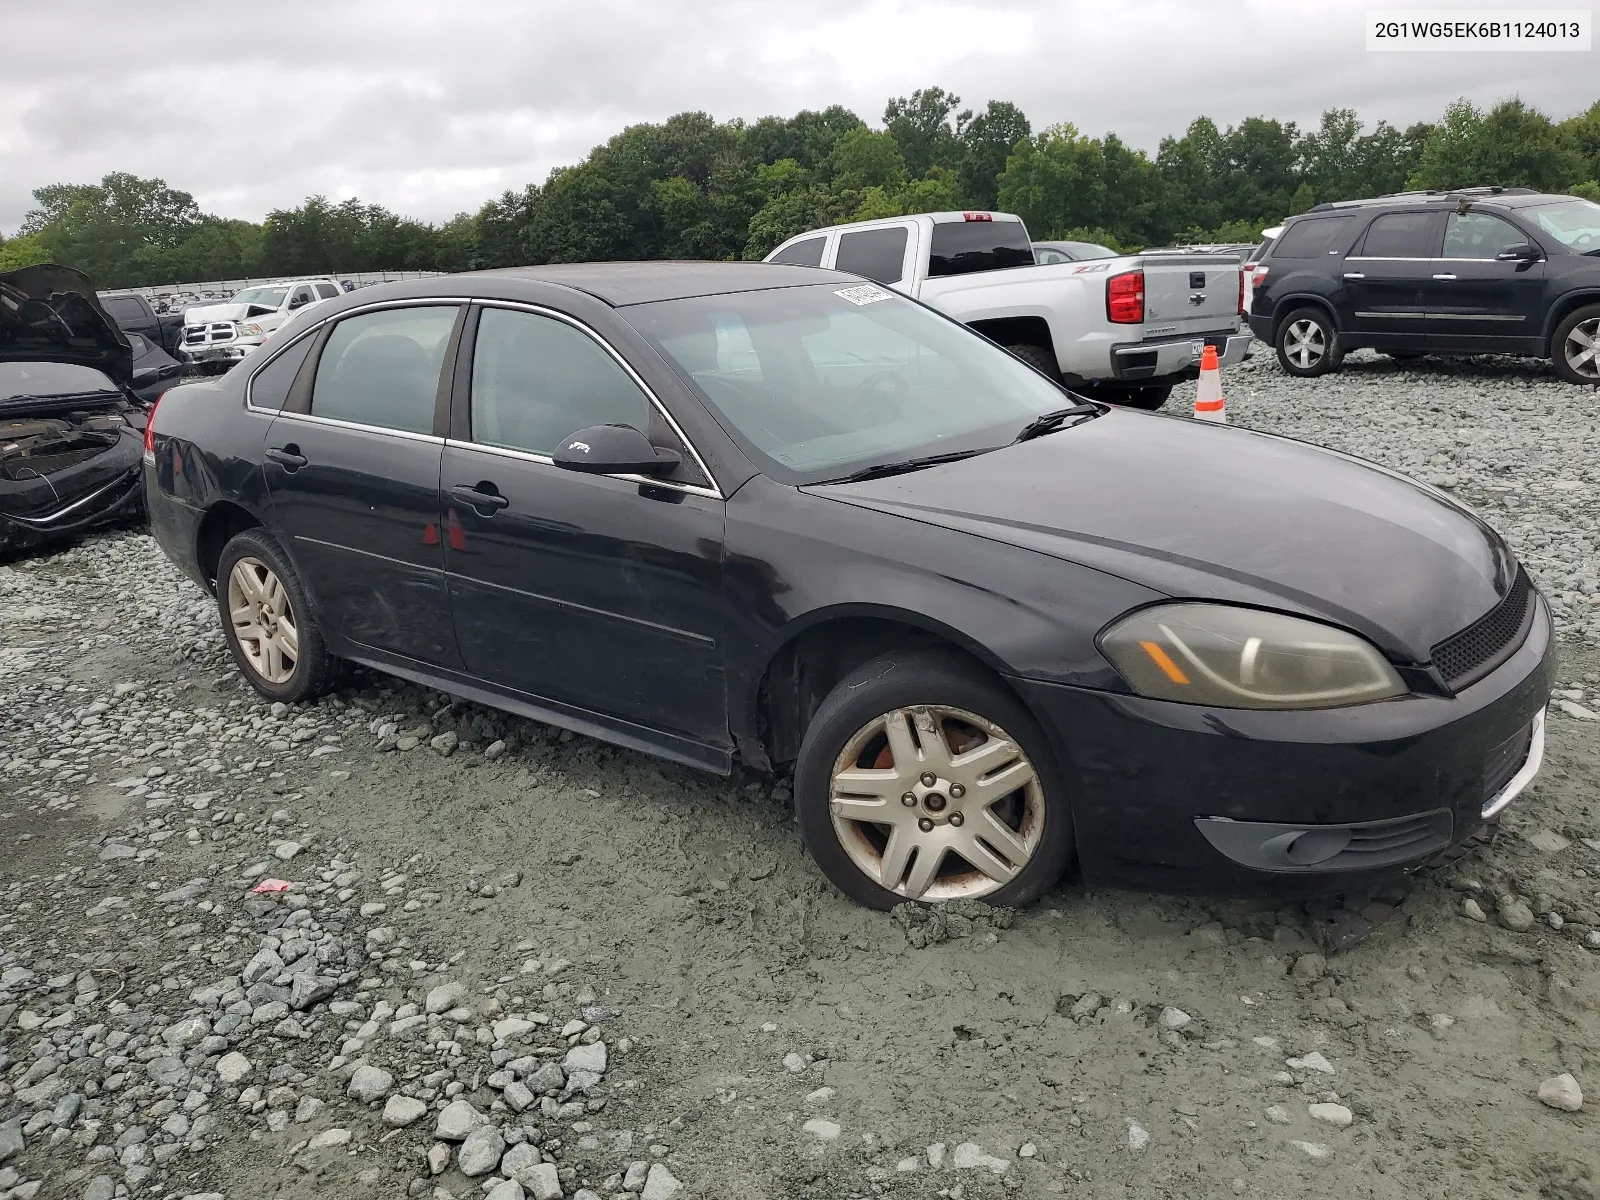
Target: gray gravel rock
{"points": [[11, 1143], [456, 1120], [401, 1111], [480, 1151], [368, 1083], [1562, 1092], [660, 1184]]}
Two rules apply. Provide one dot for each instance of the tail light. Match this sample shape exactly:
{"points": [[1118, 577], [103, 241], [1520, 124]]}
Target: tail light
{"points": [[150, 430], [1125, 298], [1241, 291]]}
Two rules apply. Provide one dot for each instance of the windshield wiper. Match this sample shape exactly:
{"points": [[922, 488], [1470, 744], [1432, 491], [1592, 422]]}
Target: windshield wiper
{"points": [[879, 470], [1051, 421]]}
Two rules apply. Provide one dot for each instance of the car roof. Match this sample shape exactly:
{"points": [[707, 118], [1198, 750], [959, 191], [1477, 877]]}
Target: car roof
{"points": [[624, 283]]}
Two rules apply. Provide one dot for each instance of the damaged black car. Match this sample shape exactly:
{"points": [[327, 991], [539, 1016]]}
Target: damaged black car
{"points": [[71, 428]]}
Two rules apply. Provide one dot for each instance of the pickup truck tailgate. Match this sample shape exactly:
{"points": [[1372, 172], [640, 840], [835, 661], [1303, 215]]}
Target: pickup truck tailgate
{"points": [[1189, 293]]}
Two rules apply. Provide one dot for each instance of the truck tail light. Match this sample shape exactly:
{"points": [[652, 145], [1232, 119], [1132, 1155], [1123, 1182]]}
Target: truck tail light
{"points": [[1125, 298], [1241, 292]]}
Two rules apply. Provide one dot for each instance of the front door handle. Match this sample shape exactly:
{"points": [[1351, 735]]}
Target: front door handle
{"points": [[1354, 275], [477, 498], [1444, 276], [289, 457]]}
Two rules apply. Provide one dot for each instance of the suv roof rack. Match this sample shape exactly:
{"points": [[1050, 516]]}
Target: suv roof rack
{"points": [[1445, 194]]}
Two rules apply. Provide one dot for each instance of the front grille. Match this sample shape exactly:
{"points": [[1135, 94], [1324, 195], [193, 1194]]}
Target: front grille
{"points": [[1504, 761], [206, 335], [1468, 656]]}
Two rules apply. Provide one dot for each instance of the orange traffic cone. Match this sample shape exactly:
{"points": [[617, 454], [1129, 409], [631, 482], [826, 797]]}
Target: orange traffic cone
{"points": [[1208, 402]]}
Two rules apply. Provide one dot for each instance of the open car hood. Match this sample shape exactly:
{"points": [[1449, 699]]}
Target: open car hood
{"points": [[50, 314]]}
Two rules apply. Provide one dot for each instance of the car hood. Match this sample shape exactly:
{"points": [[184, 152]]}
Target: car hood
{"points": [[1199, 511], [202, 313], [51, 314]]}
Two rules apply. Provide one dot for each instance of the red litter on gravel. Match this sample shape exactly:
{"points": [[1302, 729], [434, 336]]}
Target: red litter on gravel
{"points": [[271, 885]]}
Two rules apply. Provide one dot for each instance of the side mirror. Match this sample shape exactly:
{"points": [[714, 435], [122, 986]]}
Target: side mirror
{"points": [[298, 302], [614, 450], [1519, 252]]}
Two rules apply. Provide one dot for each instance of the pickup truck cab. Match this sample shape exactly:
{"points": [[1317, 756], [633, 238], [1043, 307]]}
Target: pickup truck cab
{"points": [[134, 313], [1125, 328], [218, 335]]}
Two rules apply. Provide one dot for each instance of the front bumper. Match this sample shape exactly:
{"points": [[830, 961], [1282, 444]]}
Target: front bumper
{"points": [[1176, 359], [223, 352], [104, 488], [1178, 797]]}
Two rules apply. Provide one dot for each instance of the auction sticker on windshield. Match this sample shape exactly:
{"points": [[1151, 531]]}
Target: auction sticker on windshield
{"points": [[862, 293]]}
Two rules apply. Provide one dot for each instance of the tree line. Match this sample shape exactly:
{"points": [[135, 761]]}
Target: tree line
{"points": [[693, 187]]}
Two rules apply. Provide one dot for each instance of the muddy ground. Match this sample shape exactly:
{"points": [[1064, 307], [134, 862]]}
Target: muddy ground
{"points": [[768, 1039]]}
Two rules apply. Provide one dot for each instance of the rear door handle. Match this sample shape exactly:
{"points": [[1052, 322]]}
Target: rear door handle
{"points": [[1354, 275], [478, 499], [289, 457], [1444, 276]]}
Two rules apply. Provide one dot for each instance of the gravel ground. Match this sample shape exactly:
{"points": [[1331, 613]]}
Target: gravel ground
{"points": [[510, 962]]}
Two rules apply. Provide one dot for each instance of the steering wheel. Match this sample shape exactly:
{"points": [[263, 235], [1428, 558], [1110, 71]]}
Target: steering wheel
{"points": [[869, 405]]}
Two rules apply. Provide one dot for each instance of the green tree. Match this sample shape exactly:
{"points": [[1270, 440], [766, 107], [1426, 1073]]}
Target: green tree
{"points": [[986, 141], [1513, 145], [1060, 179], [100, 228], [921, 125], [863, 159]]}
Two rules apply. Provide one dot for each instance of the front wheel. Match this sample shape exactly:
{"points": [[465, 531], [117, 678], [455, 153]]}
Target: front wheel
{"points": [[1308, 343], [922, 778], [1575, 349], [267, 621]]}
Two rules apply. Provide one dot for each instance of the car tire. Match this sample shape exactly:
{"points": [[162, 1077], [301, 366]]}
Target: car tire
{"points": [[1575, 348], [1039, 358], [1308, 344], [259, 591], [1024, 836]]}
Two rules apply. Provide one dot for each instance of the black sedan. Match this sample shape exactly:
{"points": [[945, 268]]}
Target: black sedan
{"points": [[722, 512]]}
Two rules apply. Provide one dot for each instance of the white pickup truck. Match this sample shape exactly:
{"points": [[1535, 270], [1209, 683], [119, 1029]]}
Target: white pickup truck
{"points": [[218, 335], [1125, 329]]}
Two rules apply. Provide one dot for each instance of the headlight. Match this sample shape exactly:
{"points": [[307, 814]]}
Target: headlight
{"points": [[1245, 658], [251, 330]]}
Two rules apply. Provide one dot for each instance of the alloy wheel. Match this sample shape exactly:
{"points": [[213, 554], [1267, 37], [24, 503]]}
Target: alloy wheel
{"points": [[1583, 349], [1304, 344], [935, 803], [263, 620]]}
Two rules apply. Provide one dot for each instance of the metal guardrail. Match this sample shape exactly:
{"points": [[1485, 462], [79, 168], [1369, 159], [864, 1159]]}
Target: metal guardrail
{"points": [[166, 297]]}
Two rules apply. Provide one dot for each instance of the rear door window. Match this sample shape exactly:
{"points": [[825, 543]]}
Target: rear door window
{"points": [[123, 309], [802, 254], [536, 381], [1315, 237], [1403, 235], [327, 291], [382, 368], [269, 387], [877, 254]]}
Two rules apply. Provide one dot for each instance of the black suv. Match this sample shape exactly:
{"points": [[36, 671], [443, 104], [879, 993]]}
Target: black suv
{"points": [[1478, 271]]}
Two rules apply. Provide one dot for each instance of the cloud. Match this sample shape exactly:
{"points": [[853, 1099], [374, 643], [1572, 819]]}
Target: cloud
{"points": [[430, 109]]}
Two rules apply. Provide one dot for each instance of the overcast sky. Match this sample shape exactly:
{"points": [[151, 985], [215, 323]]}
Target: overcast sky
{"points": [[430, 107]]}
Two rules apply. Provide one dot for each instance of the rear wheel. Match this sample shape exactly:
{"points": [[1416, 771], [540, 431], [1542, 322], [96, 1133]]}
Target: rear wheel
{"points": [[1308, 343], [922, 778], [267, 621], [1039, 358], [1575, 349]]}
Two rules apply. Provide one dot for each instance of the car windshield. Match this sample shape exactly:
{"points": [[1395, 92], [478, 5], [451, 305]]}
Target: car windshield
{"points": [[47, 379], [1573, 223], [817, 382], [270, 297]]}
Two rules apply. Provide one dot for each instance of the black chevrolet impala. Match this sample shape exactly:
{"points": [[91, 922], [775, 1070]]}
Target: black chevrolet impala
{"points": [[720, 511]]}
